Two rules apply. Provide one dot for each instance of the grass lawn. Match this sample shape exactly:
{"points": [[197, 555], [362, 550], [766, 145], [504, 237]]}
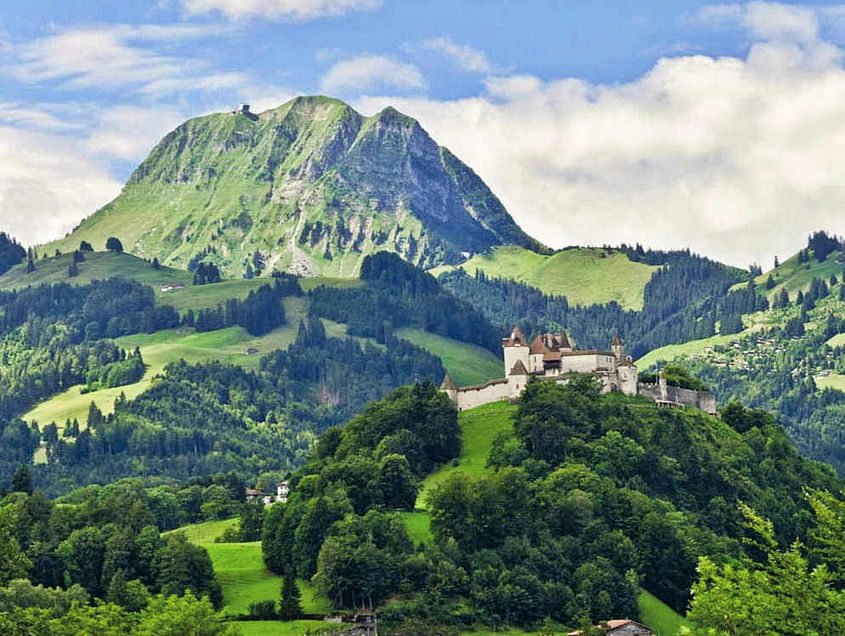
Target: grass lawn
{"points": [[478, 427], [279, 628], [585, 275], [466, 363], [662, 619]]}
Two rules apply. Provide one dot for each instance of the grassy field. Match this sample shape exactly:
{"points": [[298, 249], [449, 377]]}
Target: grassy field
{"points": [[833, 381], [205, 532], [466, 363], [240, 570], [662, 619], [163, 347], [585, 275], [478, 426], [97, 266]]}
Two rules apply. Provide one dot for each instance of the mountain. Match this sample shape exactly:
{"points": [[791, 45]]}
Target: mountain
{"points": [[310, 187]]}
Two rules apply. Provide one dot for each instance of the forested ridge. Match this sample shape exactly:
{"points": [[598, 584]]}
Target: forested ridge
{"points": [[589, 497], [684, 300]]}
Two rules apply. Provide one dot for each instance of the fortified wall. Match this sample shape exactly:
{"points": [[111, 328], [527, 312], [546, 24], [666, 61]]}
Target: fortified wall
{"points": [[554, 356]]}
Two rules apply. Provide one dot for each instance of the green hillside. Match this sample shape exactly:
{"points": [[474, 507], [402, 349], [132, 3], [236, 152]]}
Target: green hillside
{"points": [[794, 276], [586, 276], [97, 266], [240, 570], [466, 363], [479, 427], [311, 186]]}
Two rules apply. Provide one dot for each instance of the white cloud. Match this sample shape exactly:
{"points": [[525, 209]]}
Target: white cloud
{"points": [[467, 58], [736, 158], [114, 57], [295, 10], [370, 73], [45, 181]]}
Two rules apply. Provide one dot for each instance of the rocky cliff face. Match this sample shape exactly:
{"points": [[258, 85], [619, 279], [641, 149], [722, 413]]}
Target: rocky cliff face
{"points": [[310, 187]]}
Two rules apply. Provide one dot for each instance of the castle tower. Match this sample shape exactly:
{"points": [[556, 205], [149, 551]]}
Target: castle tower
{"points": [[517, 378], [662, 386], [618, 348], [449, 388], [516, 349]]}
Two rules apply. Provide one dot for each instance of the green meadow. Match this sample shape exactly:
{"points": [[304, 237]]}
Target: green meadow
{"points": [[585, 275], [466, 363]]}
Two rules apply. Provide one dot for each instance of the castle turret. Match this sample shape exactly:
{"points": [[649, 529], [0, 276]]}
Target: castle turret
{"points": [[618, 348], [449, 387], [517, 378], [516, 349]]}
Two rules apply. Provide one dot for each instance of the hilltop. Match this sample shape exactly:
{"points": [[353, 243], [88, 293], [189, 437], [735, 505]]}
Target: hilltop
{"points": [[310, 187]]}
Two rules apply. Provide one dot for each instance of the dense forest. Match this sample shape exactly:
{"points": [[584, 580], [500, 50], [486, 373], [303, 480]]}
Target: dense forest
{"points": [[397, 294], [590, 497], [97, 561]]}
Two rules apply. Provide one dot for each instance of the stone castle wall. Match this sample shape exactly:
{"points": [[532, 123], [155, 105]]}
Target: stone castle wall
{"points": [[703, 400]]}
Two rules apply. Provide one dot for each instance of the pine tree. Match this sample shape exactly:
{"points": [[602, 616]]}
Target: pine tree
{"points": [[156, 264], [30, 266], [777, 263], [22, 480], [73, 270], [290, 607]]}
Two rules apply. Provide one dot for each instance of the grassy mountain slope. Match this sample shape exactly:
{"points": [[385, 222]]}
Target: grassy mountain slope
{"points": [[466, 363], [312, 185], [97, 266], [794, 276], [586, 276]]}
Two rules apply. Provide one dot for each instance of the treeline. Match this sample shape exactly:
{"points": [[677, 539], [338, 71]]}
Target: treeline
{"points": [[67, 559], [590, 497], [208, 418], [397, 294], [11, 253], [32, 373], [103, 309], [683, 301], [259, 313]]}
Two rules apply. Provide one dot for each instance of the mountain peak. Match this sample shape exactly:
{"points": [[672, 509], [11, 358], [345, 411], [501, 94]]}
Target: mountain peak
{"points": [[310, 187]]}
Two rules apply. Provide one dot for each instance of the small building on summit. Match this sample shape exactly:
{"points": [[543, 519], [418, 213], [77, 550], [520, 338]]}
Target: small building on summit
{"points": [[554, 356]]}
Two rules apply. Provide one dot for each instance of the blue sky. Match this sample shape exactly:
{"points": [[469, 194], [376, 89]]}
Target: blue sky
{"points": [[715, 126]]}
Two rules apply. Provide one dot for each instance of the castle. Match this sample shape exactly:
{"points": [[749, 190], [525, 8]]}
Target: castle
{"points": [[554, 356]]}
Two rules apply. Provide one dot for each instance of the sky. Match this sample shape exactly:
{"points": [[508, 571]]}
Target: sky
{"points": [[675, 124]]}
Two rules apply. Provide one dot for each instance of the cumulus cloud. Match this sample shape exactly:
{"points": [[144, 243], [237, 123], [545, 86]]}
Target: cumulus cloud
{"points": [[371, 73], [467, 58], [737, 158], [295, 10], [45, 181]]}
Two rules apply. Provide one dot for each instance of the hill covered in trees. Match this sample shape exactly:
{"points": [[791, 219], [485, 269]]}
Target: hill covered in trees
{"points": [[586, 499]]}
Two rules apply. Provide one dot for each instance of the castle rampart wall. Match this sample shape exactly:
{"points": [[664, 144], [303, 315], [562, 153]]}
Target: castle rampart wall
{"points": [[470, 397]]}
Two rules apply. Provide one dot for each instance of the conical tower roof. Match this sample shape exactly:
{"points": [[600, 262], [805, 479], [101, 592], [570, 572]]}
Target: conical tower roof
{"points": [[448, 384], [617, 341], [519, 369], [538, 346]]}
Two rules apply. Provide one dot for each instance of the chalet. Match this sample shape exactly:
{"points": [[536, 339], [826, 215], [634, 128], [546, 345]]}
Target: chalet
{"points": [[619, 627]]}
